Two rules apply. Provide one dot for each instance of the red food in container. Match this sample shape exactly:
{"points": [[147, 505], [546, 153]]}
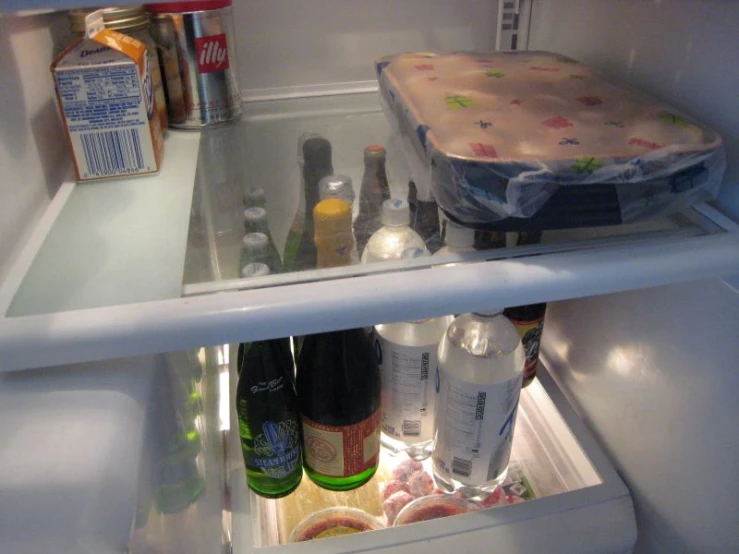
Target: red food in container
{"points": [[334, 522], [433, 507]]}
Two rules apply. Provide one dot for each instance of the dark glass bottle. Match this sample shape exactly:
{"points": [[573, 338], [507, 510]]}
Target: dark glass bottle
{"points": [[338, 386], [373, 191], [425, 219], [315, 162], [529, 319], [269, 420]]}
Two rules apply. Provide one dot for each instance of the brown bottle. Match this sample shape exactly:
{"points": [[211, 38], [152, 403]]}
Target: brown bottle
{"points": [[529, 319], [372, 193], [424, 219]]}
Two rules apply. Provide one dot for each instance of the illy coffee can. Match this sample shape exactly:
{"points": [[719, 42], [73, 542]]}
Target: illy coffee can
{"points": [[197, 54]]}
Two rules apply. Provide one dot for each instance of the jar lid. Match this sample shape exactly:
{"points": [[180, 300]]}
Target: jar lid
{"points": [[255, 241], [187, 7], [255, 214], [118, 19]]}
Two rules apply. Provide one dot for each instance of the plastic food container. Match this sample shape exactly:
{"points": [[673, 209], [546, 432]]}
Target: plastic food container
{"points": [[519, 141], [433, 507], [334, 522]]}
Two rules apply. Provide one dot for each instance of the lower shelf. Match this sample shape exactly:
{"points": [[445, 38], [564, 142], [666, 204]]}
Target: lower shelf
{"points": [[556, 474]]}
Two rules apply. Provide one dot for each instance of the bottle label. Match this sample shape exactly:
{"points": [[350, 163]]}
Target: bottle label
{"points": [[530, 333], [277, 448], [474, 428], [342, 450], [407, 402]]}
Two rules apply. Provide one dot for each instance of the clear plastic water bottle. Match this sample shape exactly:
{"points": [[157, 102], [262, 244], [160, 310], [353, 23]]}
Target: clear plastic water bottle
{"points": [[406, 352], [478, 383], [395, 235]]}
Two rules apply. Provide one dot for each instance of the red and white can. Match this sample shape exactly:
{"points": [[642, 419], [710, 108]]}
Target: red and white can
{"points": [[198, 57]]}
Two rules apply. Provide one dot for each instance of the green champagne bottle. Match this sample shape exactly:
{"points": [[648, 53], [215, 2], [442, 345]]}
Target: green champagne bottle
{"points": [[269, 420]]}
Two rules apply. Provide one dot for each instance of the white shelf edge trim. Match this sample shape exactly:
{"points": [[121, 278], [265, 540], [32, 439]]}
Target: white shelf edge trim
{"points": [[308, 91], [169, 325]]}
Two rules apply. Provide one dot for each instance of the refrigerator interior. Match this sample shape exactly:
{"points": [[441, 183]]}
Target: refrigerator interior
{"points": [[649, 371]]}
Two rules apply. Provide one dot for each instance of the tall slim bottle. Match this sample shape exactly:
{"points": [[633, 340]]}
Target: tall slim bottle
{"points": [[425, 219], [407, 355], [255, 197], [373, 191], [314, 158], [529, 319], [269, 420], [338, 379], [253, 269], [478, 385]]}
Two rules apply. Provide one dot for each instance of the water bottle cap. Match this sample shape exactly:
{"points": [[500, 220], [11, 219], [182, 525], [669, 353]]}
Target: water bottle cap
{"points": [[395, 213], [255, 214], [336, 186], [458, 236], [414, 252], [255, 197], [254, 269], [255, 241]]}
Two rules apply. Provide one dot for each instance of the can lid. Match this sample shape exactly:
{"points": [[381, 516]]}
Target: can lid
{"points": [[395, 213], [187, 7], [118, 19], [458, 236]]}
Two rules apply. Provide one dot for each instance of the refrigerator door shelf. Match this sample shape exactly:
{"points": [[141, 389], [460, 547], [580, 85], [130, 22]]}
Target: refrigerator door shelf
{"points": [[131, 267], [581, 504]]}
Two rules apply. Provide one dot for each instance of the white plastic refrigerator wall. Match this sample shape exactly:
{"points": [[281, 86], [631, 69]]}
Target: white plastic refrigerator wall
{"points": [[652, 372]]}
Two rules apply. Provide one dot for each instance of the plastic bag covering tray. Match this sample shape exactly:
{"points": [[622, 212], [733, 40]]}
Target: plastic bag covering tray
{"points": [[535, 140]]}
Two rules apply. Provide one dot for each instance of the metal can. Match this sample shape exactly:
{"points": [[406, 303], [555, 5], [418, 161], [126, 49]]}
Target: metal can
{"points": [[199, 36], [134, 22]]}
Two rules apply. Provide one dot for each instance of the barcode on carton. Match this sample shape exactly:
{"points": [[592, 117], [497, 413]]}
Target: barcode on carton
{"points": [[112, 152]]}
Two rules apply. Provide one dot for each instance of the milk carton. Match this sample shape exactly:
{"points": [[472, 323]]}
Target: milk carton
{"points": [[105, 93]]}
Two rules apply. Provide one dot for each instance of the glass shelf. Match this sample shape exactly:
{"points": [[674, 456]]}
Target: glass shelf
{"points": [[131, 266]]}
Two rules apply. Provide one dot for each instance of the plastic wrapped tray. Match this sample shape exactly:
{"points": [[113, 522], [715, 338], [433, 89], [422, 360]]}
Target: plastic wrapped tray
{"points": [[535, 140]]}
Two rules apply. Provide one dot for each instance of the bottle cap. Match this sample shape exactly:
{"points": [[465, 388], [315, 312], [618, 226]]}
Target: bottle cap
{"points": [[458, 236], [395, 213], [255, 241], [255, 214], [336, 186], [254, 269], [414, 252], [332, 216], [255, 197], [317, 153], [374, 150]]}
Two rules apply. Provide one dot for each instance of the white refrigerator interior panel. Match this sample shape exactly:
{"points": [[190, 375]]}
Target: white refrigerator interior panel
{"points": [[683, 51], [288, 43], [73, 444], [33, 158], [654, 373]]}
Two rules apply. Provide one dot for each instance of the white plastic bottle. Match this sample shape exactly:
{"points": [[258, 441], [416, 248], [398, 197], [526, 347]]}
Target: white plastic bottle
{"points": [[457, 239], [395, 235], [478, 382], [407, 352]]}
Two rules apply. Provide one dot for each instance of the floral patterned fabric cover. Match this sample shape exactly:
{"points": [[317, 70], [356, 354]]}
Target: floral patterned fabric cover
{"points": [[496, 135]]}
